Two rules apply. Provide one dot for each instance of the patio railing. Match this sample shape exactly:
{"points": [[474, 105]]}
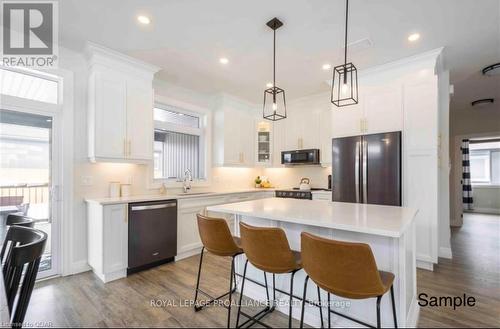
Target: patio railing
{"points": [[30, 193]]}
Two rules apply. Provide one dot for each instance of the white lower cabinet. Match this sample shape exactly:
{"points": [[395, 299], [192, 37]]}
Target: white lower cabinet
{"points": [[188, 239], [322, 195], [107, 231], [108, 240]]}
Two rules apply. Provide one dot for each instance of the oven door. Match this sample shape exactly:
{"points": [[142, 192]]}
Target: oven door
{"points": [[300, 157]]}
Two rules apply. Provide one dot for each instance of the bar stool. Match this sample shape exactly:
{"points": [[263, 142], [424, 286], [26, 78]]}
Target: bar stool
{"points": [[268, 250], [344, 269], [217, 239], [19, 220]]}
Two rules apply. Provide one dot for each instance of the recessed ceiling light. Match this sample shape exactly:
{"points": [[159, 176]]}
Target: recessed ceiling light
{"points": [[223, 60], [413, 37], [326, 67], [483, 102], [269, 84], [144, 19], [492, 69]]}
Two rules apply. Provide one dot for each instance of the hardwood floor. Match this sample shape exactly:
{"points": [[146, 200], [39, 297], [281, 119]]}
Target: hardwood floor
{"points": [[82, 300], [474, 270]]}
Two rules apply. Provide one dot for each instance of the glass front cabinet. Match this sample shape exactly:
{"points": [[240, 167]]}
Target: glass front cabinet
{"points": [[264, 143]]}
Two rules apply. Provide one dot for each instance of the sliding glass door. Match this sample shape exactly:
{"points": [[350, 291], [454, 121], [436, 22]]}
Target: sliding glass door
{"points": [[29, 157]]}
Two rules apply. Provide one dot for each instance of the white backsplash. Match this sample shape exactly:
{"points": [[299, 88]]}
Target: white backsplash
{"points": [[290, 176]]}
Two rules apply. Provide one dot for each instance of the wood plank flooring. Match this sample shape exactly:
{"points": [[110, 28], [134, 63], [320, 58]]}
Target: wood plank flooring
{"points": [[83, 301]]}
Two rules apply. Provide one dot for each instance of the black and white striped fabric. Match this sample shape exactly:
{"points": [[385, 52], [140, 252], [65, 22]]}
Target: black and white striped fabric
{"points": [[467, 199]]}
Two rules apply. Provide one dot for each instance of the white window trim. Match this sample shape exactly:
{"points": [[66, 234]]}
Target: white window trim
{"points": [[205, 132]]}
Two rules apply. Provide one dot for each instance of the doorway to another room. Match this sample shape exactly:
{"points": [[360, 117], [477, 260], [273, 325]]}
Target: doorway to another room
{"points": [[482, 190]]}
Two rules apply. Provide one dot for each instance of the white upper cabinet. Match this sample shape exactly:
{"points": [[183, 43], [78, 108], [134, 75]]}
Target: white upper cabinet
{"points": [[421, 117], [120, 113], [379, 109], [234, 133], [107, 91], [383, 109], [347, 120], [139, 120]]}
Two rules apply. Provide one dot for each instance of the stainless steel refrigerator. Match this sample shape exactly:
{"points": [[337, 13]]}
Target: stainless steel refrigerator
{"points": [[367, 169]]}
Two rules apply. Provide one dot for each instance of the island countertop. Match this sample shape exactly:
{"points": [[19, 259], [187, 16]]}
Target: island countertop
{"points": [[389, 221]]}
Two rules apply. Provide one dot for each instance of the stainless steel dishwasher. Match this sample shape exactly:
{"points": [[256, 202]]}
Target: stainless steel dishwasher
{"points": [[152, 234]]}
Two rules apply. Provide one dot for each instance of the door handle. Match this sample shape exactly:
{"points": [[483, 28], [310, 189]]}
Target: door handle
{"points": [[365, 171], [154, 206], [356, 171]]}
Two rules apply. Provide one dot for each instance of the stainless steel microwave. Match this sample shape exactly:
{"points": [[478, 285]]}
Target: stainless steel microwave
{"points": [[300, 157]]}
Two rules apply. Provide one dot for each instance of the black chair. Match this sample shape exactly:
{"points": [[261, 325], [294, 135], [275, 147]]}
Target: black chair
{"points": [[21, 253], [19, 220]]}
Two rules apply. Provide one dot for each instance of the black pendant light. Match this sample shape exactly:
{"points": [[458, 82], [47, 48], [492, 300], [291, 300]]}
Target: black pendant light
{"points": [[345, 77], [274, 108]]}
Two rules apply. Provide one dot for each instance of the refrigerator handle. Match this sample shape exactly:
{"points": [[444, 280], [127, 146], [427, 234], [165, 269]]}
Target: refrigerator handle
{"points": [[356, 171], [365, 169]]}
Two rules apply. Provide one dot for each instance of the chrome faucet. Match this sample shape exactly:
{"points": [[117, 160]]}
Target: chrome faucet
{"points": [[186, 182]]}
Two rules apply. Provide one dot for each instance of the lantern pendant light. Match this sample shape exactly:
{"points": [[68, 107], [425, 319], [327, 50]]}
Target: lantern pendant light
{"points": [[274, 107], [345, 77]]}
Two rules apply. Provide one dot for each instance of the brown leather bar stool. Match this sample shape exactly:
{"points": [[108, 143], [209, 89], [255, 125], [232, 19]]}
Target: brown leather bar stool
{"points": [[344, 269], [268, 250], [217, 239]]}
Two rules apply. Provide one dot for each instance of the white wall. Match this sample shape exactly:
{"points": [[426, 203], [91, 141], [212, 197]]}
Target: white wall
{"points": [[486, 199]]}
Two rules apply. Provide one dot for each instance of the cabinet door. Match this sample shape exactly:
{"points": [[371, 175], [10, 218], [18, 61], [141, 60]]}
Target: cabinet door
{"points": [[247, 139], [293, 131], [232, 151], [421, 115], [346, 121], [109, 115], [325, 132], [188, 237], [279, 141], [139, 120], [115, 236], [383, 109], [308, 123]]}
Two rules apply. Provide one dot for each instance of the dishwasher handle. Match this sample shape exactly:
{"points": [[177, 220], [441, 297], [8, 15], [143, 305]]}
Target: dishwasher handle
{"points": [[154, 206]]}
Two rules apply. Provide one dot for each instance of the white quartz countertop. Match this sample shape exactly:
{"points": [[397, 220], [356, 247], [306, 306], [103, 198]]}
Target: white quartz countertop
{"points": [[170, 196], [363, 218]]}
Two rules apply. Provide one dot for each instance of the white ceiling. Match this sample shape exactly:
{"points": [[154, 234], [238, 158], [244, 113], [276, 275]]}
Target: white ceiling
{"points": [[187, 37]]}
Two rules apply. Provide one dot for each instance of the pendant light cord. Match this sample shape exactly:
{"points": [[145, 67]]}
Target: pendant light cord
{"points": [[274, 58], [345, 43]]}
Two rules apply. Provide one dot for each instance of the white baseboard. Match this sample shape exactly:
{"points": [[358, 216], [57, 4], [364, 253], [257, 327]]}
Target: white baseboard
{"points": [[485, 210], [445, 252], [429, 266], [188, 253], [78, 267]]}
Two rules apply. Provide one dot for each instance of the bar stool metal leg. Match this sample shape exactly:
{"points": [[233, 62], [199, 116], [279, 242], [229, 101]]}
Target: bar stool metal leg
{"points": [[267, 291], [320, 307], [378, 311], [197, 307], [241, 293], [394, 308], [329, 312], [291, 300], [303, 302], [230, 292]]}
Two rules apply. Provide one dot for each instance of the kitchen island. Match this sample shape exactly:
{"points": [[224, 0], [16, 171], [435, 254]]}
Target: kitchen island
{"points": [[390, 232]]}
